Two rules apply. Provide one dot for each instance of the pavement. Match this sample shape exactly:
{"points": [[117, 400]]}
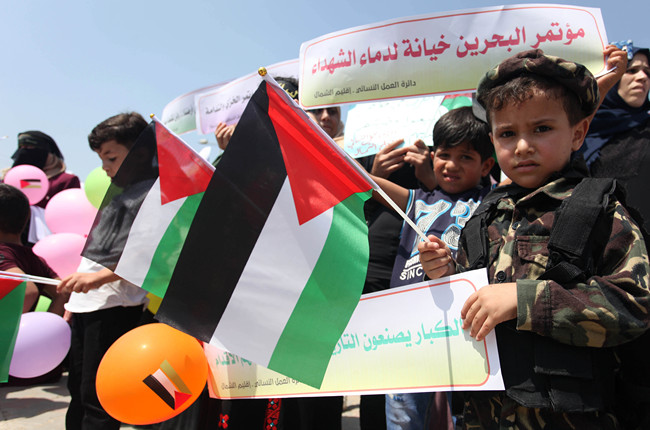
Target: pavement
{"points": [[43, 407]]}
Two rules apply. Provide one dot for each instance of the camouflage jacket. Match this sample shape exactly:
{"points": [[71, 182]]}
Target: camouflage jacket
{"points": [[610, 308], [555, 355]]}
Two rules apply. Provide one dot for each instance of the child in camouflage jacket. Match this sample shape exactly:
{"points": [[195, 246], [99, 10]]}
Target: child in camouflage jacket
{"points": [[556, 340]]}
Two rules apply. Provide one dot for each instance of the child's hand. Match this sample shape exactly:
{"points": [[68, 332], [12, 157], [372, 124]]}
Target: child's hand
{"points": [[436, 258], [84, 282], [389, 159], [488, 307], [616, 59], [418, 155], [79, 283], [223, 133]]}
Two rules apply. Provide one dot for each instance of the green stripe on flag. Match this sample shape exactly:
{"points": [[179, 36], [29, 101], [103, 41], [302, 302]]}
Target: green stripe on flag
{"points": [[169, 248], [11, 309], [329, 297]]}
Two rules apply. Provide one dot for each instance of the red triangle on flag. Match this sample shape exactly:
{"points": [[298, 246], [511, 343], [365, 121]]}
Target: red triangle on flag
{"points": [[182, 171], [320, 177], [7, 286], [180, 398]]}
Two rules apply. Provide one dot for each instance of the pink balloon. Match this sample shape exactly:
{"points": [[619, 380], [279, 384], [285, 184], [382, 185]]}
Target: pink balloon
{"points": [[29, 179], [70, 212], [42, 343], [61, 251]]}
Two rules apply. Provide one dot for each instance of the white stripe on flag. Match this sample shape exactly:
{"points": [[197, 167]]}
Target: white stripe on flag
{"points": [[149, 225], [271, 283]]}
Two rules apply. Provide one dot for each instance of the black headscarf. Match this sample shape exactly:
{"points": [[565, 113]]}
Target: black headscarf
{"points": [[33, 148], [613, 117]]}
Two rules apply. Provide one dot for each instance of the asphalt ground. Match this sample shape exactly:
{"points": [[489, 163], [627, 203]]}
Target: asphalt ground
{"points": [[43, 407]]}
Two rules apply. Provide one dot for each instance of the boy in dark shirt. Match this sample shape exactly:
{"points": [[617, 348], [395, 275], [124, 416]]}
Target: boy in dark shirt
{"points": [[17, 258]]}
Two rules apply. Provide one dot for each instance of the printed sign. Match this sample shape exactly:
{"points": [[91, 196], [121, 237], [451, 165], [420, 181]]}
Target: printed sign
{"points": [[180, 115], [441, 53], [226, 103], [405, 339]]}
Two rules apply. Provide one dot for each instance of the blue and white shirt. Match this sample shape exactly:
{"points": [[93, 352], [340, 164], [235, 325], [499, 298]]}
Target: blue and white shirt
{"points": [[434, 212]]}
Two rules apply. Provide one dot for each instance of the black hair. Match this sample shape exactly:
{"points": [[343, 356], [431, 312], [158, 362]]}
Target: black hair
{"points": [[524, 87], [14, 209], [460, 126], [124, 128]]}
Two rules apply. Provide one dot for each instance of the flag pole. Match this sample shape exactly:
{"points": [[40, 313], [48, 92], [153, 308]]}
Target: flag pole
{"points": [[264, 74], [30, 278]]}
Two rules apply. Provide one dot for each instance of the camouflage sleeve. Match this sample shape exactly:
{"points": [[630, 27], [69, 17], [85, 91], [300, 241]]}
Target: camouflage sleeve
{"points": [[610, 308]]}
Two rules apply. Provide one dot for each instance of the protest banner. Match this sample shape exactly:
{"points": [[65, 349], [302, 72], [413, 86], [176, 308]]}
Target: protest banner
{"points": [[371, 126], [227, 102], [179, 115], [441, 53], [400, 340]]}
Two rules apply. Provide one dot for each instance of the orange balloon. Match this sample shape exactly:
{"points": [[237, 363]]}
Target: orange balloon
{"points": [[151, 374]]}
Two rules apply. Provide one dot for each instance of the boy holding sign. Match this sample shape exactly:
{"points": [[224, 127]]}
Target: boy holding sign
{"points": [[559, 320]]}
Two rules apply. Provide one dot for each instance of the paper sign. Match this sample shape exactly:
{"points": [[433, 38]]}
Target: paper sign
{"points": [[226, 103], [371, 126], [405, 339], [180, 115], [441, 53]]}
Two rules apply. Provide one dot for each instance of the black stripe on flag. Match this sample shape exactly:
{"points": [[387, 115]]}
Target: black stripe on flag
{"points": [[123, 198], [227, 224], [155, 385]]}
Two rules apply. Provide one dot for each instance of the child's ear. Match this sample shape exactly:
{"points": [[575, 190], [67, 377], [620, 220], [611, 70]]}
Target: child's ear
{"points": [[579, 133], [486, 166]]}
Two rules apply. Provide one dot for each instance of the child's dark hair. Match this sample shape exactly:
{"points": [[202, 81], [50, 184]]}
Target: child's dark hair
{"points": [[14, 209], [524, 87], [460, 126], [124, 128]]}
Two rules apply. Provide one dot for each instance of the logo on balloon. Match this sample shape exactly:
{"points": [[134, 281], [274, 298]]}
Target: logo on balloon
{"points": [[168, 385], [29, 179], [30, 183]]}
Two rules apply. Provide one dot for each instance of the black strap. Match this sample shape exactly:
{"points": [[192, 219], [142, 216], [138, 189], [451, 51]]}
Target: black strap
{"points": [[575, 221], [474, 238], [568, 243]]}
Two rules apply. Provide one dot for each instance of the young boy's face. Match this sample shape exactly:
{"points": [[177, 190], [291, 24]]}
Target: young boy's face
{"points": [[459, 168], [534, 139], [112, 155]]}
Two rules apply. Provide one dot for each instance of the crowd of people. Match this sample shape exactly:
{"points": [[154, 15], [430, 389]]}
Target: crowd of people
{"points": [[562, 241]]}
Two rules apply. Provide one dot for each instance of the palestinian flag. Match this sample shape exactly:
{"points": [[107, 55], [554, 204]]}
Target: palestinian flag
{"points": [[275, 260], [30, 183], [167, 384], [147, 210], [454, 101], [12, 295]]}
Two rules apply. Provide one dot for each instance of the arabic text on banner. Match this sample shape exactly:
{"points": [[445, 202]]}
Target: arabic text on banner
{"points": [[406, 339], [226, 103], [441, 53], [179, 115]]}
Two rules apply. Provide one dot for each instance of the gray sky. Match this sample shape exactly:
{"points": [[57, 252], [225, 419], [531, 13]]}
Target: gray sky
{"points": [[66, 66]]}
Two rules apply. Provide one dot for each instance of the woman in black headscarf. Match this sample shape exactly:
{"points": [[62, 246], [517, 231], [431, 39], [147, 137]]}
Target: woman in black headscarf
{"points": [[40, 150], [618, 142]]}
